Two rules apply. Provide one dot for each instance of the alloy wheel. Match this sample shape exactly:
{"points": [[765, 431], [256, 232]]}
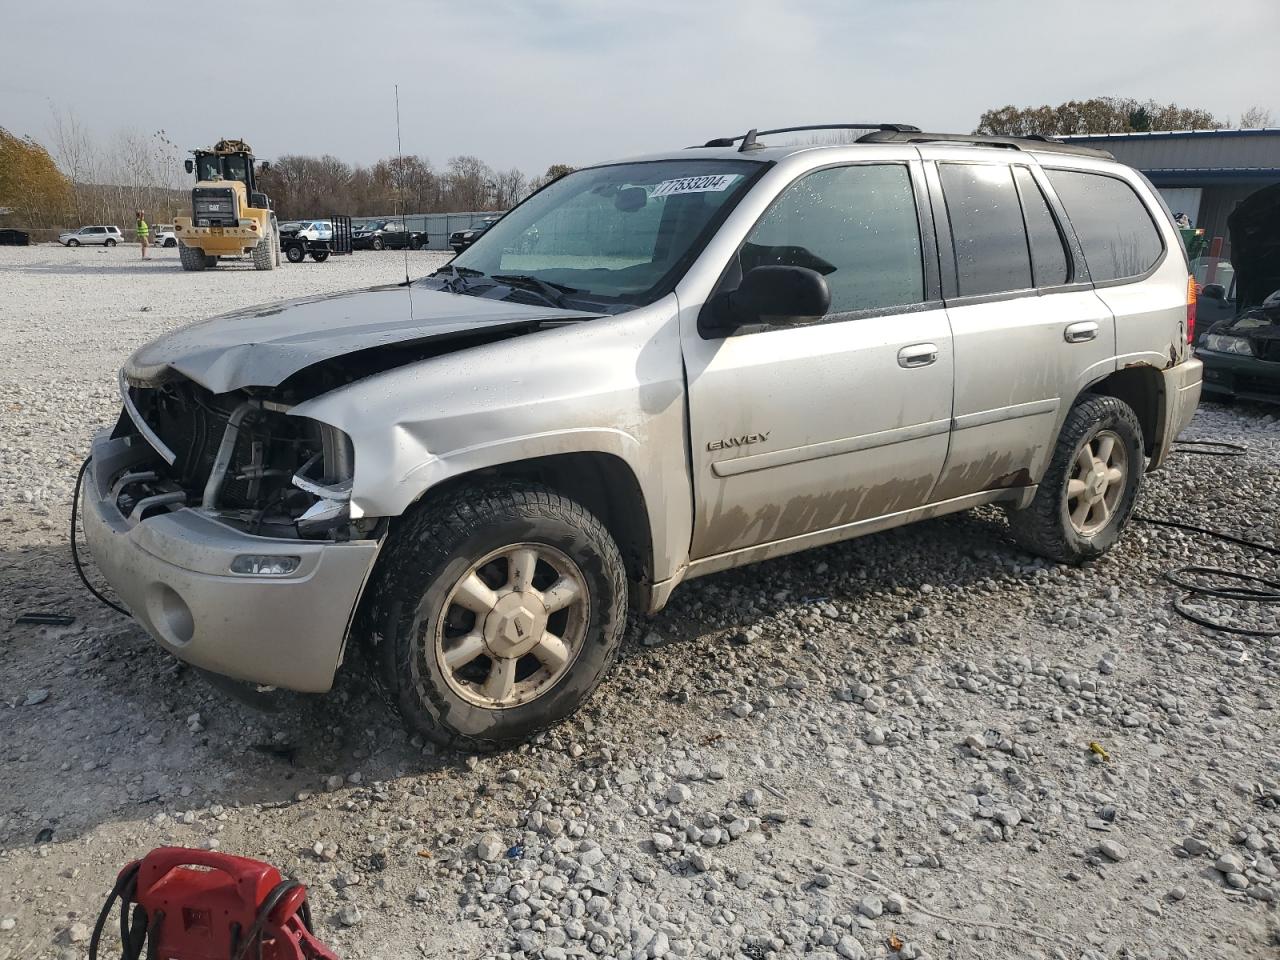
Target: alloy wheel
{"points": [[512, 625], [1097, 482]]}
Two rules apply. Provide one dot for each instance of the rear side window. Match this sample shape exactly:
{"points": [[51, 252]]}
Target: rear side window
{"points": [[857, 226], [1119, 238], [986, 228], [1048, 256]]}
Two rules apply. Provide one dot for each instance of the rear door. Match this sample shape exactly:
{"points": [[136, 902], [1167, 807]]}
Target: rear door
{"points": [[1029, 330], [796, 430]]}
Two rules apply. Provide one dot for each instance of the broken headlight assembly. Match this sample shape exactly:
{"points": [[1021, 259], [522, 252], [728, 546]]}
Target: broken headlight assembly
{"points": [[245, 460]]}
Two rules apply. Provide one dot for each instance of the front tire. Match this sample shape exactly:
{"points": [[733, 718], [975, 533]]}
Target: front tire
{"points": [[496, 613], [73, 243], [295, 254], [192, 258], [1090, 487], [377, 243]]}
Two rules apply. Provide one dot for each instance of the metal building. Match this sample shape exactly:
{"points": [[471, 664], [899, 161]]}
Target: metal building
{"points": [[1202, 173]]}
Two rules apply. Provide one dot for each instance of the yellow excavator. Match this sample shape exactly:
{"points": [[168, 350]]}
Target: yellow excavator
{"points": [[230, 216]]}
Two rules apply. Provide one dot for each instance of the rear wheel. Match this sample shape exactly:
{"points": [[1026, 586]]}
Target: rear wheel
{"points": [[170, 242], [264, 256], [192, 257], [320, 256], [110, 242], [1090, 487], [295, 254], [497, 612]]}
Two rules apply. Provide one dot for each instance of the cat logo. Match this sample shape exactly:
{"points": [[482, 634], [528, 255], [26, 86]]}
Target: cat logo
{"points": [[744, 441]]}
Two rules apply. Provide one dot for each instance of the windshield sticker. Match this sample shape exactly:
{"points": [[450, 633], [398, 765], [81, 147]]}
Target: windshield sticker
{"points": [[708, 184]]}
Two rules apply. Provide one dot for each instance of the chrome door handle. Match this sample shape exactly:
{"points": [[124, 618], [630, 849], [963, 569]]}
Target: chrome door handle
{"points": [[1081, 332], [918, 355]]}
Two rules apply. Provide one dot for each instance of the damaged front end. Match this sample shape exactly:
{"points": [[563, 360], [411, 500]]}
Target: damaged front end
{"points": [[239, 457]]}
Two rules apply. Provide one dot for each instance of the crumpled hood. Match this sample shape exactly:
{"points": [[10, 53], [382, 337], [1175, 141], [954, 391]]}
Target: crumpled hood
{"points": [[265, 345]]}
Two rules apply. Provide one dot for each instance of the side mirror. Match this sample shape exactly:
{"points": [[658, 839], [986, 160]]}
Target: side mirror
{"points": [[1213, 291], [778, 294], [190, 165]]}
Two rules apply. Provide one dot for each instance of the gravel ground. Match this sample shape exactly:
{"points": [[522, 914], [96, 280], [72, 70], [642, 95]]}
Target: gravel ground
{"points": [[880, 748]]}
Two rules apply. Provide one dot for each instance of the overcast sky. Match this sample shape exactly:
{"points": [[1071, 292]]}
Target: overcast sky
{"points": [[542, 81]]}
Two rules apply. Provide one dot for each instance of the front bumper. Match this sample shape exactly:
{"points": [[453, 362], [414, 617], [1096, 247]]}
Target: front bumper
{"points": [[173, 571], [1245, 377]]}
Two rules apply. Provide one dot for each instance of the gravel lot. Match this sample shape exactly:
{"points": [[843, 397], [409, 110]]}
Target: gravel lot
{"points": [[880, 748]]}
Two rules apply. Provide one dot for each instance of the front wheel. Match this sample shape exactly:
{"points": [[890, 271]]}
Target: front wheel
{"points": [[1090, 487], [295, 254], [73, 243], [377, 243], [192, 258], [496, 614]]}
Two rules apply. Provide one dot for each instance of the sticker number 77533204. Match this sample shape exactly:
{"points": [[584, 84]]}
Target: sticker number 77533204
{"points": [[711, 183]]}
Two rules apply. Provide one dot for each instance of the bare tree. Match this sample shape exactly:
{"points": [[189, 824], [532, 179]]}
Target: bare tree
{"points": [[1255, 118]]}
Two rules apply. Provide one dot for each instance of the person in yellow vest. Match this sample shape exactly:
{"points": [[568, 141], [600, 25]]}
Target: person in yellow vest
{"points": [[144, 233]]}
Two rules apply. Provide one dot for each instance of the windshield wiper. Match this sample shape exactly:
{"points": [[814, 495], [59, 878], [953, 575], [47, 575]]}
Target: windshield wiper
{"points": [[553, 293], [456, 279]]}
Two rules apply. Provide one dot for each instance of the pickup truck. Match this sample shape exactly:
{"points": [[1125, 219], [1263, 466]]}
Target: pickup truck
{"points": [[709, 357]]}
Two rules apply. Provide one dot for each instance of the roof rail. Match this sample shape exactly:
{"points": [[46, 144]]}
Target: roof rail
{"points": [[749, 141], [1034, 141]]}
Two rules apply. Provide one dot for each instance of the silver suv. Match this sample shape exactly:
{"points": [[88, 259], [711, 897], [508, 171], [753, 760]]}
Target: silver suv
{"points": [[649, 371]]}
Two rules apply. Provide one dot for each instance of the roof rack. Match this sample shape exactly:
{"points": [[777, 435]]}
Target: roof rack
{"points": [[749, 141], [1034, 141]]}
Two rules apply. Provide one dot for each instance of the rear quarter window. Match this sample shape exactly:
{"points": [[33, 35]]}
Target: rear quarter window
{"points": [[1116, 230]]}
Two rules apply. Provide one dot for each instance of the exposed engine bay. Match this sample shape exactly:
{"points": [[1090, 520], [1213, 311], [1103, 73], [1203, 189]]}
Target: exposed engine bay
{"points": [[239, 456]]}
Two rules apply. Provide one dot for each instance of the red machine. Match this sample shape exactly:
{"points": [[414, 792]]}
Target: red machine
{"points": [[179, 904]]}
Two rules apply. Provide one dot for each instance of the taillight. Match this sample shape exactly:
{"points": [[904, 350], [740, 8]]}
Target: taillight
{"points": [[1191, 309]]}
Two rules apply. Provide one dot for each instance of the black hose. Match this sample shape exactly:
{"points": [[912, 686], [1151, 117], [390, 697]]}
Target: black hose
{"points": [[75, 550], [269, 903], [1219, 583], [131, 940]]}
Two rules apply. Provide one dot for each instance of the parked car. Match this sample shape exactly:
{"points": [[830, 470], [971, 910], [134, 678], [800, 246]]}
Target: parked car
{"points": [[103, 235], [461, 239], [711, 357], [385, 234], [314, 230], [1240, 345], [289, 228], [163, 235], [10, 237], [318, 239]]}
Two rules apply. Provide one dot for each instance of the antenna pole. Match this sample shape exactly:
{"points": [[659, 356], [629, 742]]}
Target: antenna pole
{"points": [[400, 184]]}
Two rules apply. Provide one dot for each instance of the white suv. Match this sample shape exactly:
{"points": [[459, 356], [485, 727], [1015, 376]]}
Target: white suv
{"points": [[649, 371], [103, 235]]}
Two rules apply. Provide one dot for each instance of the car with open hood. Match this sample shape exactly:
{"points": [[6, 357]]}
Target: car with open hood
{"points": [[1240, 347], [648, 371]]}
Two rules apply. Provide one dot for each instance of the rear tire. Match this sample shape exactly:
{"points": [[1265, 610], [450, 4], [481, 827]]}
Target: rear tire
{"points": [[320, 256], [192, 257], [111, 243], [438, 653], [1090, 487], [171, 242], [264, 256]]}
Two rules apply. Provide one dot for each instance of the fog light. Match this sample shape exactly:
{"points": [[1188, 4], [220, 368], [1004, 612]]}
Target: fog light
{"points": [[264, 566]]}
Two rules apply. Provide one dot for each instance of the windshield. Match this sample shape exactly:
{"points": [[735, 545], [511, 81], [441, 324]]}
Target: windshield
{"points": [[618, 235], [214, 167]]}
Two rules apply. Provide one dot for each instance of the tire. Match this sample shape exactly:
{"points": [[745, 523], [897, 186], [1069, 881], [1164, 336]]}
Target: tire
{"points": [[320, 256], [413, 619], [457, 249], [295, 254], [376, 244], [211, 261], [192, 257], [73, 243], [170, 242], [264, 257], [1051, 526], [415, 243], [110, 243]]}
